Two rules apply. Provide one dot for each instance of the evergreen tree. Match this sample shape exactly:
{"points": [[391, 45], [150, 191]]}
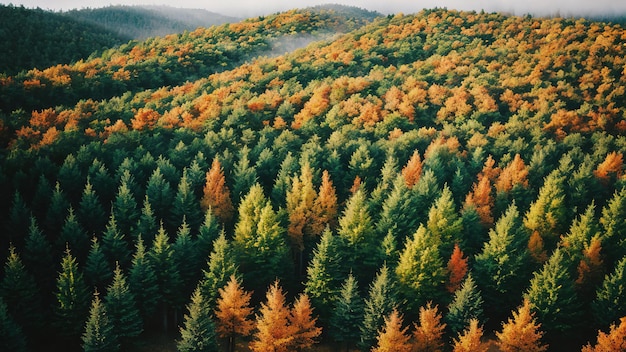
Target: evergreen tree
{"points": [[73, 235], [444, 223], [209, 231], [580, 235], [221, 266], [114, 243], [522, 332], [97, 270], [18, 219], [610, 302], [57, 212], [392, 337], [547, 215], [187, 258], [348, 309], [20, 294], [147, 224], [398, 211], [142, 281], [90, 213], [198, 333], [38, 257], [98, 335], [470, 339], [244, 174], [159, 192], [420, 273], [233, 312], [11, 335], [323, 276], [125, 209], [552, 296], [381, 301], [122, 310], [467, 305], [185, 206], [613, 223], [302, 324], [428, 335], [272, 325], [72, 298]]}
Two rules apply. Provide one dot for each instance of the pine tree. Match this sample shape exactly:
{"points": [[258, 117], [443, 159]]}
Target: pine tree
{"points": [[444, 223], [147, 224], [122, 310], [547, 214], [303, 325], [233, 312], [420, 273], [142, 282], [11, 334], [553, 297], [221, 266], [380, 302], [97, 270], [209, 231], [457, 268], [159, 192], [74, 235], [38, 257], [18, 219], [114, 243], [272, 323], [187, 258], [216, 193], [300, 208], [185, 206], [244, 174], [610, 302], [467, 305], [72, 298], [615, 340], [90, 212], [125, 209], [398, 213], [581, 233], [392, 337], [323, 275], [412, 172], [470, 339], [521, 333], [57, 212], [198, 333], [348, 309], [325, 205], [70, 178], [428, 335], [98, 335], [613, 223]]}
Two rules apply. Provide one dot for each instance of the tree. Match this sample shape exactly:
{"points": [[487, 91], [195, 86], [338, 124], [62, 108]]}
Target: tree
{"points": [[272, 323], [185, 206], [38, 257], [147, 224], [547, 214], [480, 197], [72, 234], [615, 340], [209, 231], [198, 333], [90, 212], [303, 326], [114, 243], [553, 297], [221, 266], [244, 174], [72, 298], [444, 223], [216, 193], [325, 205], [97, 270], [467, 305], [233, 312], [381, 301], [470, 339], [58, 210], [159, 192], [398, 214], [348, 309], [187, 258], [457, 268], [613, 223], [142, 281], [522, 332], [413, 170], [428, 335], [11, 335], [124, 208], [392, 337], [610, 302], [98, 335], [121, 308]]}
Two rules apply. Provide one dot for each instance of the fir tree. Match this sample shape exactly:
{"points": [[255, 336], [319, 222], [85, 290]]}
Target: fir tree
{"points": [[521, 333], [615, 340], [392, 337], [160, 193], [216, 193], [221, 266], [233, 312], [142, 281], [198, 333], [97, 270], [90, 212], [444, 223], [245, 175], [11, 336], [470, 339], [125, 209], [380, 302], [185, 206], [209, 231], [72, 298], [303, 325], [57, 212], [613, 223], [122, 310], [187, 258], [74, 235], [348, 309], [428, 335], [467, 305], [547, 214], [114, 243], [147, 224], [273, 332], [98, 335], [610, 302], [38, 257]]}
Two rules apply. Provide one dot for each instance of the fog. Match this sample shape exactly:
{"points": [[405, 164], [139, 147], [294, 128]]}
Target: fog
{"points": [[246, 8]]}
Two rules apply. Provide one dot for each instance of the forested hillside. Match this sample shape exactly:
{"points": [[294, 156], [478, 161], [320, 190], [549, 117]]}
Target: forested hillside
{"points": [[34, 38], [439, 181], [142, 22]]}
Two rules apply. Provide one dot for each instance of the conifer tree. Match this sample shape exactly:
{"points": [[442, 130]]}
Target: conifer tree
{"points": [[57, 212], [233, 312], [209, 231], [348, 309], [159, 192], [122, 310], [428, 335], [480, 197], [303, 325], [221, 266], [38, 257], [457, 268], [97, 271], [90, 213], [185, 206], [98, 335], [392, 337], [11, 334], [522, 332], [18, 219], [114, 243], [553, 297], [198, 333], [142, 281], [610, 302], [547, 215], [245, 176], [74, 235], [470, 339], [20, 293], [444, 223], [613, 223], [187, 258], [147, 224], [323, 275], [467, 305], [580, 235], [412, 172], [325, 205], [615, 340], [420, 273], [398, 213], [72, 298], [380, 302], [125, 209], [272, 324], [217, 194]]}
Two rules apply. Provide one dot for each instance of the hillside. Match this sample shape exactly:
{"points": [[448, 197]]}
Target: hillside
{"points": [[431, 169], [38, 38], [142, 22]]}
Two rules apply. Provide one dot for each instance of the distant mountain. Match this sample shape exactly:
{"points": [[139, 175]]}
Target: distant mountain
{"points": [[35, 38], [141, 22]]}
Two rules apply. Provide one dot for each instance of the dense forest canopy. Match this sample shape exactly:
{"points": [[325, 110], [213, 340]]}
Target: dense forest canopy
{"points": [[410, 181]]}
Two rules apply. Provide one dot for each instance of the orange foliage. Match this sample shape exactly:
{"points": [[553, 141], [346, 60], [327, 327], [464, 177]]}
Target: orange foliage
{"points": [[521, 333], [470, 339], [513, 174], [457, 268], [480, 197], [49, 137], [233, 311], [615, 340], [216, 193], [145, 119], [44, 119], [393, 338], [302, 324], [325, 205], [536, 248], [490, 171], [272, 324], [412, 172], [613, 164], [590, 267], [318, 103], [356, 185], [428, 335]]}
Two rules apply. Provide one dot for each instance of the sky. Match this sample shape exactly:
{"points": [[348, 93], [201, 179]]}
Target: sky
{"points": [[245, 8]]}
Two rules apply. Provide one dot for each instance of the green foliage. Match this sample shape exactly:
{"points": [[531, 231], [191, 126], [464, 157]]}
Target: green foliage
{"points": [[466, 305], [198, 333], [97, 271], [609, 306], [221, 266], [72, 298], [380, 302], [99, 333], [11, 335], [121, 309], [142, 282], [348, 308]]}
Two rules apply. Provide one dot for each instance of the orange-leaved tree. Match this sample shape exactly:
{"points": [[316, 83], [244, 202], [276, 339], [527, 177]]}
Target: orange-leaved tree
{"points": [[470, 339], [273, 329], [428, 335], [457, 268], [233, 312], [521, 333], [392, 337], [302, 324], [413, 170], [216, 193], [615, 340]]}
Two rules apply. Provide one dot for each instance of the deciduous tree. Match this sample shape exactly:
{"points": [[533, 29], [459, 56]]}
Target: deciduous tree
{"points": [[217, 194], [521, 333], [272, 323], [233, 312], [392, 337], [428, 334]]}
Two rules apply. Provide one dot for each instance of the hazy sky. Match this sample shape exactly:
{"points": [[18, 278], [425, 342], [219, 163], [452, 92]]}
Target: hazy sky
{"points": [[242, 8]]}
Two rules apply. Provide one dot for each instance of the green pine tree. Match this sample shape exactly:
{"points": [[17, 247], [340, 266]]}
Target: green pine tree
{"points": [[209, 231], [57, 212], [72, 298], [547, 214], [185, 206], [122, 310], [159, 192], [445, 223], [347, 311], [610, 302], [11, 336], [466, 305], [90, 213], [142, 281], [147, 224], [244, 174], [613, 223], [221, 266], [97, 271], [73, 235], [98, 335], [125, 209], [187, 258], [380, 302], [198, 333], [38, 257], [114, 243]]}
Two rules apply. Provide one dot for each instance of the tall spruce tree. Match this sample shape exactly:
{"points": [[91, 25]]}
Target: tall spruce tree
{"points": [[613, 223], [610, 302], [380, 302], [11, 335], [114, 243], [221, 266], [122, 310], [445, 223], [198, 332], [98, 272], [38, 257], [466, 305], [72, 298], [90, 212], [348, 309], [142, 281], [185, 206], [98, 335]]}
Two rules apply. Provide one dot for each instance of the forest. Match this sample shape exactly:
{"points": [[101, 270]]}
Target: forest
{"points": [[321, 179]]}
